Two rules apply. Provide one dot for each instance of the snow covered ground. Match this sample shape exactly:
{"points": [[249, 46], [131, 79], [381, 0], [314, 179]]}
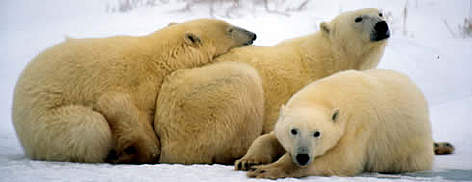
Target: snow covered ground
{"points": [[438, 62]]}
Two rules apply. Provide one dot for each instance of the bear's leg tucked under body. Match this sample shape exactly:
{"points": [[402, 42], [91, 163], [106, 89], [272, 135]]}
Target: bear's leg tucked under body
{"points": [[70, 133], [134, 138], [210, 114]]}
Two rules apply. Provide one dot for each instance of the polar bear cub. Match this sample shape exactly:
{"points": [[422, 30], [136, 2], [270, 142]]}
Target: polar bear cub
{"points": [[353, 122]]}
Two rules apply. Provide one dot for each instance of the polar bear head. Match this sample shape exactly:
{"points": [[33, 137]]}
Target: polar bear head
{"points": [[359, 34], [307, 132], [209, 37]]}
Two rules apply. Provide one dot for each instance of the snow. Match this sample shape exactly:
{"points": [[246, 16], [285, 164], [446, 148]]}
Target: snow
{"points": [[438, 62]]}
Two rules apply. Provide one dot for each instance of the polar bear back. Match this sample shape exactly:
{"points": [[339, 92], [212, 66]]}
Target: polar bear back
{"points": [[402, 129]]}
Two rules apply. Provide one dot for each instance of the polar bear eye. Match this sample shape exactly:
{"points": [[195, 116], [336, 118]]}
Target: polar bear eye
{"points": [[335, 115], [380, 14], [316, 134], [293, 131], [358, 19]]}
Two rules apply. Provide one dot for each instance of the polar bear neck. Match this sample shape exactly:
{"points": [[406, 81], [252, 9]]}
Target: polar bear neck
{"points": [[356, 55], [320, 55]]}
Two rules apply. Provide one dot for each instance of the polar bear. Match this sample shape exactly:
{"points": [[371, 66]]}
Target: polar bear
{"points": [[352, 122], [353, 40], [93, 100]]}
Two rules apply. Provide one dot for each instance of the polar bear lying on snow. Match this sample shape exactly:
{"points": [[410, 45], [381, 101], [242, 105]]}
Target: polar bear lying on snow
{"points": [[213, 113], [85, 99], [348, 123]]}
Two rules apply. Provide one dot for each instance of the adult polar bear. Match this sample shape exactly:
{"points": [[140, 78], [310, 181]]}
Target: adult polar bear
{"points": [[83, 98], [352, 122], [213, 113]]}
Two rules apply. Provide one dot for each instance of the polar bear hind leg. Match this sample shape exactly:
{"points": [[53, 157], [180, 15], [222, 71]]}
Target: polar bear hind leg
{"points": [[70, 133]]}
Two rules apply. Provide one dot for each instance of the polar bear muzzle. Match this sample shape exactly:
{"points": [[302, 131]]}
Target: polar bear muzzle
{"points": [[242, 34], [302, 156], [380, 32]]}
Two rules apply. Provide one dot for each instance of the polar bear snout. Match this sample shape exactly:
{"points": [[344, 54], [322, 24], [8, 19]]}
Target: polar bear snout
{"points": [[381, 31], [252, 37], [247, 35], [302, 156], [302, 159]]}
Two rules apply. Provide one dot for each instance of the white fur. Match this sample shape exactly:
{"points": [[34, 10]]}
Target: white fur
{"points": [[382, 125]]}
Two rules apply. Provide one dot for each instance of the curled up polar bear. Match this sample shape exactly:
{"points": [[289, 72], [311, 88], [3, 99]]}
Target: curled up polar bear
{"points": [[93, 100]]}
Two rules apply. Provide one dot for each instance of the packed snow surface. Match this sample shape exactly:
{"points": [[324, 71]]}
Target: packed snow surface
{"points": [[439, 61]]}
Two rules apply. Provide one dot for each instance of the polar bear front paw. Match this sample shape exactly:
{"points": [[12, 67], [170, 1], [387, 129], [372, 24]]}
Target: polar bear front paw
{"points": [[270, 171], [246, 164]]}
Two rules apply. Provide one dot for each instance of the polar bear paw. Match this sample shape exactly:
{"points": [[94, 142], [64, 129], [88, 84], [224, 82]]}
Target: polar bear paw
{"points": [[271, 171], [246, 164]]}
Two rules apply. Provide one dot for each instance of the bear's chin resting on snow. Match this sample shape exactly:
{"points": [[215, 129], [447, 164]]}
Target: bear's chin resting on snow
{"points": [[349, 123]]}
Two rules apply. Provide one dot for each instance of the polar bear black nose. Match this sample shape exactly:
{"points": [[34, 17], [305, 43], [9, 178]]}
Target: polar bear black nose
{"points": [[254, 36], [251, 35], [302, 159], [381, 27], [380, 31]]}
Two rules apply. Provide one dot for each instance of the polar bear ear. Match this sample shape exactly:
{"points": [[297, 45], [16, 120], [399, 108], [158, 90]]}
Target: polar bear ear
{"points": [[324, 27], [192, 39], [335, 115]]}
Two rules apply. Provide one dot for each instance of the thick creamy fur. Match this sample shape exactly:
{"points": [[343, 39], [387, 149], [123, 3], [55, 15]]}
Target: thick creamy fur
{"points": [[80, 99], [287, 67], [382, 125], [279, 70], [229, 96]]}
